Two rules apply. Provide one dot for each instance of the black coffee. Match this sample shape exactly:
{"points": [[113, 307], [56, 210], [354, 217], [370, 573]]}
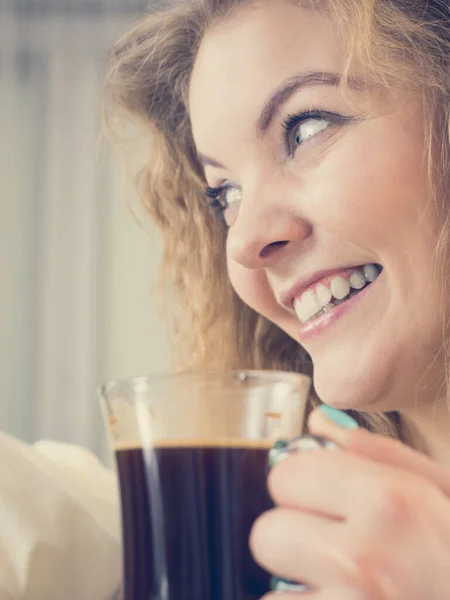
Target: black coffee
{"points": [[187, 512]]}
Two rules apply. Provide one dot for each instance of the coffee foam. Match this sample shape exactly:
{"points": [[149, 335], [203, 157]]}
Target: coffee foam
{"points": [[219, 443]]}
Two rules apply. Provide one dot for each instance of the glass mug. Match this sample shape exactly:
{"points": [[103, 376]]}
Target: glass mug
{"points": [[192, 454]]}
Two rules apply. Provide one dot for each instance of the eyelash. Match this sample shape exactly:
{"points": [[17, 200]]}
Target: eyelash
{"points": [[215, 193]]}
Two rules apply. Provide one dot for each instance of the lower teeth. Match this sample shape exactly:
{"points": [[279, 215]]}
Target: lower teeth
{"points": [[323, 310]]}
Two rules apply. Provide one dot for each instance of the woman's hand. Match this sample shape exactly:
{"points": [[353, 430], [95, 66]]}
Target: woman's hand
{"points": [[368, 522]]}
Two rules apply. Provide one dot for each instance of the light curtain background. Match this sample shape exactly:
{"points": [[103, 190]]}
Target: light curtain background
{"points": [[77, 272]]}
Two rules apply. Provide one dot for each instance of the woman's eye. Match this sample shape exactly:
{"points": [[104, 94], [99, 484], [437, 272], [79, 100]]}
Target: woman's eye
{"points": [[299, 128], [231, 195], [225, 202], [308, 129]]}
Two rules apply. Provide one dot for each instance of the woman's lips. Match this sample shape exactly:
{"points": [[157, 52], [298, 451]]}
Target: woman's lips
{"points": [[318, 325], [324, 294]]}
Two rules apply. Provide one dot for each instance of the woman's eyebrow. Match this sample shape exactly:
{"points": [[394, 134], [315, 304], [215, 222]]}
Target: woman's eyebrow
{"points": [[291, 85], [281, 95]]}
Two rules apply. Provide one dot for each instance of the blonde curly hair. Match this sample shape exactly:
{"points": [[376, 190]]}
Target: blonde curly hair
{"points": [[401, 41]]}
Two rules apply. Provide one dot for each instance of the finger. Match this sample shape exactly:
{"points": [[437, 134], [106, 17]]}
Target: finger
{"points": [[380, 449], [302, 547], [297, 546], [392, 452], [342, 486]]}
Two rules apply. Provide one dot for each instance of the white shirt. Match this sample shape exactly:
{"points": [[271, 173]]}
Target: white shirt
{"points": [[59, 523]]}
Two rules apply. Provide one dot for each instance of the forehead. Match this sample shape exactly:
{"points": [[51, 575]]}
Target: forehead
{"points": [[242, 60]]}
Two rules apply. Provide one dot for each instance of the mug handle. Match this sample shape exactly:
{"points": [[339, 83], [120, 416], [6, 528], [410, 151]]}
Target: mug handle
{"points": [[280, 451]]}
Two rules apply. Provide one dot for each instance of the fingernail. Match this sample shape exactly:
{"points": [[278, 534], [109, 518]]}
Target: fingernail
{"points": [[278, 584], [278, 452], [338, 417], [282, 449]]}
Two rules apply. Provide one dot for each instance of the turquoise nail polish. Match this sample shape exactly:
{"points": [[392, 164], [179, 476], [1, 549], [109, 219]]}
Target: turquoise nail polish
{"points": [[339, 417], [278, 584], [278, 453]]}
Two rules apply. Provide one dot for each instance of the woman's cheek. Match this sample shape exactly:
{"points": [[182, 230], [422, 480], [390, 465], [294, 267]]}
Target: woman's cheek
{"points": [[253, 287]]}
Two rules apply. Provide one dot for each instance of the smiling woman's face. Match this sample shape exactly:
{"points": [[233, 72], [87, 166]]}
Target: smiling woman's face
{"points": [[324, 194]]}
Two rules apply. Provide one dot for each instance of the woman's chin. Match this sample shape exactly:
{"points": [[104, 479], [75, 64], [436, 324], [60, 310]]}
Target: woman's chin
{"points": [[346, 389]]}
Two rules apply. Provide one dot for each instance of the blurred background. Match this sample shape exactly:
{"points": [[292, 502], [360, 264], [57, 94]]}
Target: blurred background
{"points": [[77, 272]]}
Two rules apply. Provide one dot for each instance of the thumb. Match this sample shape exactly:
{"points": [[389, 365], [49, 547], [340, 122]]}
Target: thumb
{"points": [[330, 424]]}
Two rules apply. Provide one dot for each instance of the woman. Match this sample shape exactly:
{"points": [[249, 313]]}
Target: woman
{"points": [[318, 132]]}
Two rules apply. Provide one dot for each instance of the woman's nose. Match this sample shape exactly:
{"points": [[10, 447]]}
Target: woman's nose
{"points": [[263, 232]]}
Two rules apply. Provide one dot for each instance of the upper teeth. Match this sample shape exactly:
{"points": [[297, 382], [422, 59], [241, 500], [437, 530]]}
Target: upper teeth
{"points": [[340, 287], [315, 300], [371, 272], [324, 294]]}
